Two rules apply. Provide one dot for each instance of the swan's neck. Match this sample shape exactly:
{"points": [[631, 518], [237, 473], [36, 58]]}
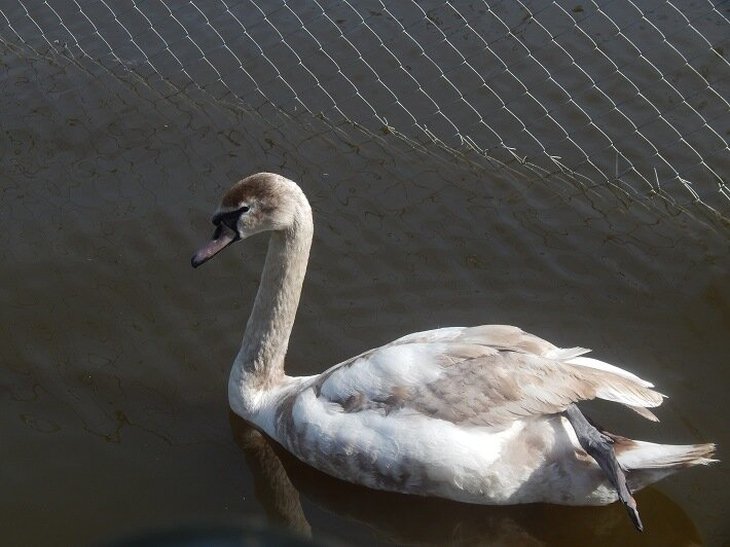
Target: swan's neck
{"points": [[260, 362]]}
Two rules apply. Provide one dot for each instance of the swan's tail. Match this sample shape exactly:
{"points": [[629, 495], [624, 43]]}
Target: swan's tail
{"points": [[649, 462]]}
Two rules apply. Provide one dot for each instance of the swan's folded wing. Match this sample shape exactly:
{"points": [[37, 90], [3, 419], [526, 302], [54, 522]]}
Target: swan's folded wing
{"points": [[497, 389], [465, 381]]}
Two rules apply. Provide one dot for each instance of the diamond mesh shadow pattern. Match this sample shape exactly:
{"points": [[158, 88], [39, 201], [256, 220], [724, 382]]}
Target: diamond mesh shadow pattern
{"points": [[627, 95]]}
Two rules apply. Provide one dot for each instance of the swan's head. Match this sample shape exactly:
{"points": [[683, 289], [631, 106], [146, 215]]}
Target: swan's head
{"points": [[259, 203]]}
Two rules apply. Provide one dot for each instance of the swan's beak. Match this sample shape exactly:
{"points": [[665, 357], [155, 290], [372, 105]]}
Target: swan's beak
{"points": [[222, 238]]}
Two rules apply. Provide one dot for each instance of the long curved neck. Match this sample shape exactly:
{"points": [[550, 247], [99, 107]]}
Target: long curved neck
{"points": [[260, 361]]}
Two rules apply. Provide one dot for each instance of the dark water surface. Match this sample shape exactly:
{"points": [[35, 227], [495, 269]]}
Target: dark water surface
{"points": [[114, 353]]}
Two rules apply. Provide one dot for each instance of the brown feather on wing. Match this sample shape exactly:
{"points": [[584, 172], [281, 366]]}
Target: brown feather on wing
{"points": [[500, 386], [490, 376]]}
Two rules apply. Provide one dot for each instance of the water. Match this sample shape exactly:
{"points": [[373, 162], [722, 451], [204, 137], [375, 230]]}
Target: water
{"points": [[114, 353]]}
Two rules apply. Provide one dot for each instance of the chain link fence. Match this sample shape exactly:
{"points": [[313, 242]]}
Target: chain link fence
{"points": [[622, 94]]}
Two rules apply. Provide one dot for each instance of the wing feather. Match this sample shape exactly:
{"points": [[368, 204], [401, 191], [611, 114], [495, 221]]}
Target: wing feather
{"points": [[481, 376]]}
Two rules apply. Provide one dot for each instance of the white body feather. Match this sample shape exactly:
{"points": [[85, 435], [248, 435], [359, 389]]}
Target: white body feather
{"points": [[471, 414], [531, 459]]}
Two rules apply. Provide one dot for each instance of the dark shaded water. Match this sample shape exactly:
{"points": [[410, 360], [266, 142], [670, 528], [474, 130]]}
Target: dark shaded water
{"points": [[114, 353]]}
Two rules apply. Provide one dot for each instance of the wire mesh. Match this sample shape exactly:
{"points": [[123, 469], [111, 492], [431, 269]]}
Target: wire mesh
{"points": [[632, 95]]}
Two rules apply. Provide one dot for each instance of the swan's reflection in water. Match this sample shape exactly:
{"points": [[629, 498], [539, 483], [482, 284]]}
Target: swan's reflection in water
{"points": [[280, 478]]}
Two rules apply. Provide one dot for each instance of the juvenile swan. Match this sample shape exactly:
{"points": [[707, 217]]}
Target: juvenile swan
{"points": [[480, 414]]}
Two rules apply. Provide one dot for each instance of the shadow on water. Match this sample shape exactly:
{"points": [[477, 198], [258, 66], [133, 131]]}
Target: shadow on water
{"points": [[281, 481]]}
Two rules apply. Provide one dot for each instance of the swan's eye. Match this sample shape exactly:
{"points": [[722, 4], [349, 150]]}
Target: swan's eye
{"points": [[230, 218]]}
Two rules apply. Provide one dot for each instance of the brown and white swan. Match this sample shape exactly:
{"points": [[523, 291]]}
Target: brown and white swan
{"points": [[481, 414]]}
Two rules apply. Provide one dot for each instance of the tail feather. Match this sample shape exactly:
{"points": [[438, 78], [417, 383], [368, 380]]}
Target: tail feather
{"points": [[646, 463], [638, 455]]}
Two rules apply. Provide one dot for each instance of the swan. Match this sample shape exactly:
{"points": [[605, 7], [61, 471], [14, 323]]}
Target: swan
{"points": [[484, 414]]}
